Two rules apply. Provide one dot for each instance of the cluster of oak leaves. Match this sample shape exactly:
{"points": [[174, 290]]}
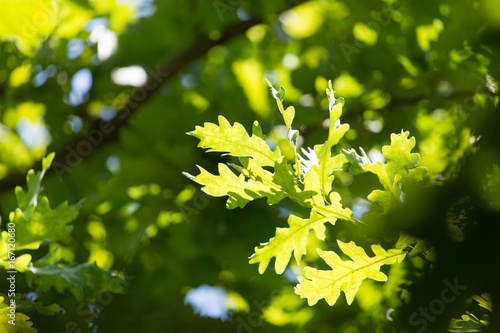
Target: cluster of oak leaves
{"points": [[38, 226], [308, 182]]}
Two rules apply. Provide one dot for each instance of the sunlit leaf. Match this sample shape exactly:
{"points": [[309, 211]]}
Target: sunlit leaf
{"points": [[401, 167], [235, 141], [345, 276], [327, 163]]}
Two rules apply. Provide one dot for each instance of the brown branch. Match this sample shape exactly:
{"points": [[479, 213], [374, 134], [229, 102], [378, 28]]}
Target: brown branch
{"points": [[102, 132]]}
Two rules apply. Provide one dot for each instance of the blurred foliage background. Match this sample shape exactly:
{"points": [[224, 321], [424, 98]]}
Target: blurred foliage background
{"points": [[113, 86]]}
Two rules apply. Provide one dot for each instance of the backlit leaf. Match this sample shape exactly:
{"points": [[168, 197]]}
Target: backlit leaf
{"points": [[238, 190], [235, 141], [345, 276], [401, 167]]}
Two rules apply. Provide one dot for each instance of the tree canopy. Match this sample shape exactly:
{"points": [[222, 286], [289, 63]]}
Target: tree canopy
{"points": [[176, 166]]}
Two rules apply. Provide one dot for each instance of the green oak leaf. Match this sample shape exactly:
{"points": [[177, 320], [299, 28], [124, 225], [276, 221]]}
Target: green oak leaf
{"points": [[80, 280], [294, 238], [236, 142], [331, 208], [22, 262], [23, 323], [346, 276], [35, 220], [280, 184], [288, 240], [392, 194], [401, 167], [45, 224], [326, 162], [399, 158], [284, 178], [27, 200], [238, 190], [46, 310], [335, 209]]}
